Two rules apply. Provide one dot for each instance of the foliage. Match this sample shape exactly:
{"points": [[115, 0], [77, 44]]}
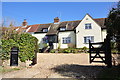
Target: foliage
{"points": [[113, 23], [52, 51], [84, 49], [27, 46], [26, 43], [45, 44], [70, 50], [6, 48], [113, 20]]}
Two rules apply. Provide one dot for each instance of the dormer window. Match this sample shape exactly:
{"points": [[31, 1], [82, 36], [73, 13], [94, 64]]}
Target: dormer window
{"points": [[62, 29], [45, 30], [88, 26]]}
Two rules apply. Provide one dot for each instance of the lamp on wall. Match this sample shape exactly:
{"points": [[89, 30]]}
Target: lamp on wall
{"points": [[77, 32]]}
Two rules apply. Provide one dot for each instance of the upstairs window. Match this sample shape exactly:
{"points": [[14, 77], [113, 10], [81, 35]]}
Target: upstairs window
{"points": [[62, 29], [66, 40], [87, 38], [88, 26], [45, 30]]}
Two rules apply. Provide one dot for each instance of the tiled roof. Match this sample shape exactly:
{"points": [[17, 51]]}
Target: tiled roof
{"points": [[53, 28], [101, 22], [33, 28], [41, 26], [70, 25]]}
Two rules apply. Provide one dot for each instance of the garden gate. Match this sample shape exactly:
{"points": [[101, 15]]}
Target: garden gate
{"points": [[102, 52]]}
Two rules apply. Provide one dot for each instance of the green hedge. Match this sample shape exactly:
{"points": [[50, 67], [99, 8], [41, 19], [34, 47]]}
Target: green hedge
{"points": [[26, 43]]}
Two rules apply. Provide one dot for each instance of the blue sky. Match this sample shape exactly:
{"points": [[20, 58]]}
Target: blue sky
{"points": [[45, 12]]}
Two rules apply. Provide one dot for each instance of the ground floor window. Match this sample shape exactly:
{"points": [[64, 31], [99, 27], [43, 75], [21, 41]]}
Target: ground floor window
{"points": [[87, 38], [66, 40], [45, 39]]}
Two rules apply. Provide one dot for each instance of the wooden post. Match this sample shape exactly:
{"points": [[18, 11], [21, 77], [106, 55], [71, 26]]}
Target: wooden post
{"points": [[89, 51], [108, 57]]}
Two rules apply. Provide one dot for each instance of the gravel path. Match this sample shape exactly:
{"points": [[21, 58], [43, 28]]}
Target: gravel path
{"points": [[59, 66]]}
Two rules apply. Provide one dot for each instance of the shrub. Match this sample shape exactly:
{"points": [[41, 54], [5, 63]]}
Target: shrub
{"points": [[26, 43], [52, 51], [67, 51], [70, 50], [84, 49]]}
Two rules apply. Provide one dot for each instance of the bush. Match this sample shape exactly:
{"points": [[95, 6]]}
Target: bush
{"points": [[67, 50], [70, 50], [52, 51], [84, 49], [26, 43]]}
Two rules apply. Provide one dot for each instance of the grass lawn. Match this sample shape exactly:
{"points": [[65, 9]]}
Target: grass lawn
{"points": [[5, 70]]}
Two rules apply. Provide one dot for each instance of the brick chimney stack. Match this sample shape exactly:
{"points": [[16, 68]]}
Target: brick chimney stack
{"points": [[56, 20], [24, 23]]}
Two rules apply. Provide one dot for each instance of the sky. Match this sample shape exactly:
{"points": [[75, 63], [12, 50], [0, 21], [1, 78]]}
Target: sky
{"points": [[45, 12]]}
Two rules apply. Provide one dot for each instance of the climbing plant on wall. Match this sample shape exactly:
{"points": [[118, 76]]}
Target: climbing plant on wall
{"points": [[26, 43]]}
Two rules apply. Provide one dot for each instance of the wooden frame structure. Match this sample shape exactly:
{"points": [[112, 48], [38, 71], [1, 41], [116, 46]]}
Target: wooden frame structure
{"points": [[104, 48]]}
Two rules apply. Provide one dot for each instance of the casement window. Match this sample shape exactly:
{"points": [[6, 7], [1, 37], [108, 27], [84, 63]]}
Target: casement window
{"points": [[45, 39], [66, 40], [62, 29], [87, 38], [88, 26], [45, 30]]}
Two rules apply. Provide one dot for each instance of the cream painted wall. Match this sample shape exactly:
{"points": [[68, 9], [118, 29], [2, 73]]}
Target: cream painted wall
{"points": [[39, 37], [66, 34], [55, 45], [81, 32], [104, 33]]}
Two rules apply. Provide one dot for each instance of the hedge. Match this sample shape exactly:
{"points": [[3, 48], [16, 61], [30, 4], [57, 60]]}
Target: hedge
{"points": [[26, 43]]}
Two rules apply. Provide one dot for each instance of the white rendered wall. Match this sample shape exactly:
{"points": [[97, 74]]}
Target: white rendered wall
{"points": [[81, 32], [104, 34], [66, 34], [39, 36]]}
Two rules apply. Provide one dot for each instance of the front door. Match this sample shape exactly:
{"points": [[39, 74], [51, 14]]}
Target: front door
{"points": [[51, 45]]}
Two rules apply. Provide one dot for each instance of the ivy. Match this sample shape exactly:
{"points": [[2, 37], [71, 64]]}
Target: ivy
{"points": [[26, 43]]}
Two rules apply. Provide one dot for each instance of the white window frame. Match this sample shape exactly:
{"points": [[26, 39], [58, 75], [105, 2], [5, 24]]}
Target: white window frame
{"points": [[62, 29], [87, 38], [88, 26], [45, 30], [66, 40]]}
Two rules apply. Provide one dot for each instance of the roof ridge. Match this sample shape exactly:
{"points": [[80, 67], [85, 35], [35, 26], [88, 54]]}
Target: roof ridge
{"points": [[61, 22]]}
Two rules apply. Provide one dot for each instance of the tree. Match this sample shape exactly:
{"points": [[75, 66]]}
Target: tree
{"points": [[113, 23], [26, 43]]}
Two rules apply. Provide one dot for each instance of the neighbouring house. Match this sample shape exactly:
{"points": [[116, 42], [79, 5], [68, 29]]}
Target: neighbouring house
{"points": [[68, 33]]}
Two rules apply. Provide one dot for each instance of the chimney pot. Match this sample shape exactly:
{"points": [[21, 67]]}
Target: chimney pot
{"points": [[56, 20], [24, 23]]}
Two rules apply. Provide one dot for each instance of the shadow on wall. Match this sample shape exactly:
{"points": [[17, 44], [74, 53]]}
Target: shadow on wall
{"points": [[84, 71]]}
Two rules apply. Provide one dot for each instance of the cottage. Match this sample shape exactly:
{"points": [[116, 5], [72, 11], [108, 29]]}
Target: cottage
{"points": [[68, 33]]}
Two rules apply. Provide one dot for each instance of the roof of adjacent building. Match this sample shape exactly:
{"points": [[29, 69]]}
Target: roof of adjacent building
{"points": [[53, 27]]}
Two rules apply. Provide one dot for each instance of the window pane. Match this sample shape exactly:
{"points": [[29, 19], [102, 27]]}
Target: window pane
{"points": [[45, 30], [66, 40], [87, 38], [62, 29], [88, 26], [84, 39]]}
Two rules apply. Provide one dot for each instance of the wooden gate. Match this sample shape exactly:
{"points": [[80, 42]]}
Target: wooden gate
{"points": [[102, 52]]}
